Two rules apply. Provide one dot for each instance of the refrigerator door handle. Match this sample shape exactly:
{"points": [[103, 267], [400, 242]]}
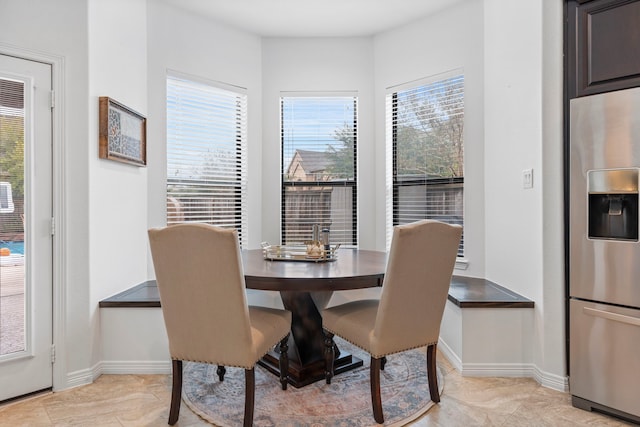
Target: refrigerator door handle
{"points": [[612, 316]]}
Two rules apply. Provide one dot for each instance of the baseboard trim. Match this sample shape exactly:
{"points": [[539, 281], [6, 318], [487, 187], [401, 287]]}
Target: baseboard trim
{"points": [[552, 381], [116, 367], [83, 376], [525, 370], [450, 355], [140, 367]]}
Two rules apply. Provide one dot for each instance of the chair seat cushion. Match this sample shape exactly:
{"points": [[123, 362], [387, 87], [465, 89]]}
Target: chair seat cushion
{"points": [[268, 325], [353, 321]]}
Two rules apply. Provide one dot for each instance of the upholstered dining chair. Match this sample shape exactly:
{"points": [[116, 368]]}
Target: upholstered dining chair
{"points": [[202, 293], [410, 308]]}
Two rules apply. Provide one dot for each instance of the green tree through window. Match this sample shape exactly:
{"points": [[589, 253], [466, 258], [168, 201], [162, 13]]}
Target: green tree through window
{"points": [[340, 160], [12, 153]]}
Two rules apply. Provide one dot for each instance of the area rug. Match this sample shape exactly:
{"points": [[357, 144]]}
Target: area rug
{"points": [[346, 402]]}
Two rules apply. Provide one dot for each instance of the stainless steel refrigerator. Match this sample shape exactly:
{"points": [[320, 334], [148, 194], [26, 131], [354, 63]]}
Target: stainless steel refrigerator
{"points": [[604, 253]]}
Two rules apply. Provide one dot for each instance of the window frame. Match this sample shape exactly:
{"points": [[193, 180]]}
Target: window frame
{"points": [[238, 185], [349, 183], [393, 182]]}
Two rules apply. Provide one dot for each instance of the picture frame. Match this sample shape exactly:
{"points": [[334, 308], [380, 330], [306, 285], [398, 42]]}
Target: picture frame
{"points": [[123, 133]]}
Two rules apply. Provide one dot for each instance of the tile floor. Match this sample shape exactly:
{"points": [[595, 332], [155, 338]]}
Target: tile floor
{"points": [[143, 400]]}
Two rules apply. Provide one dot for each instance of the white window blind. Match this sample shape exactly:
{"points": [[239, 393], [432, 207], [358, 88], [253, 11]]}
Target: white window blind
{"points": [[425, 127], [206, 154], [319, 161]]}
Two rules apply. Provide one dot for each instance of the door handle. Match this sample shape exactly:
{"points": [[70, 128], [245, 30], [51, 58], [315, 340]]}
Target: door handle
{"points": [[612, 316]]}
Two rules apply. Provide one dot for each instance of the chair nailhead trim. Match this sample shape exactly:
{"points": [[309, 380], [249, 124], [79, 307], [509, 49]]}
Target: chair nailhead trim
{"points": [[226, 364], [383, 355]]}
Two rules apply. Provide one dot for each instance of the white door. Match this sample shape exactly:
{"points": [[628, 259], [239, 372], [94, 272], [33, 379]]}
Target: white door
{"points": [[25, 227]]}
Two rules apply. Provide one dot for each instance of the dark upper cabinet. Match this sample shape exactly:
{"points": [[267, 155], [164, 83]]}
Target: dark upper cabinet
{"points": [[603, 46]]}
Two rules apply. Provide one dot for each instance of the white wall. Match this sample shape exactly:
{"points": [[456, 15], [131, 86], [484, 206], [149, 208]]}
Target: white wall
{"points": [[60, 29], [451, 39], [553, 354], [187, 43], [316, 65], [523, 129], [513, 140], [117, 191], [135, 341]]}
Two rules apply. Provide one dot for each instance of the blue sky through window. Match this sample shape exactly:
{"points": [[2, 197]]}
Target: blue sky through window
{"points": [[311, 123]]}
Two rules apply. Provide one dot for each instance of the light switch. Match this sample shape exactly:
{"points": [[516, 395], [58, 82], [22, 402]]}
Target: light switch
{"points": [[527, 178]]}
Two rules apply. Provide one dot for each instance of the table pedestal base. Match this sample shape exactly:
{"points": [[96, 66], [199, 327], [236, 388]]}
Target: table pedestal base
{"points": [[307, 341], [300, 376]]}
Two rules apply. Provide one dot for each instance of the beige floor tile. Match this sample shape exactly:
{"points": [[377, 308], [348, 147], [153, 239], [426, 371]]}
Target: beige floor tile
{"points": [[151, 416], [143, 400], [98, 406], [99, 421], [24, 415], [547, 407]]}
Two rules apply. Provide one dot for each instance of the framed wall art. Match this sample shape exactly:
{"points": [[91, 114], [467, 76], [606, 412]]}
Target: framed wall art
{"points": [[123, 133]]}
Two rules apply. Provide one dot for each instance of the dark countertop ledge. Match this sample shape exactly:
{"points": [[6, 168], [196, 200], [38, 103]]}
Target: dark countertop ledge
{"points": [[143, 295], [465, 292], [474, 292]]}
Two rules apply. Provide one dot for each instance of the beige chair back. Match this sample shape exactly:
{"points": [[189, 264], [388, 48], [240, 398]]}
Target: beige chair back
{"points": [[201, 283], [416, 285]]}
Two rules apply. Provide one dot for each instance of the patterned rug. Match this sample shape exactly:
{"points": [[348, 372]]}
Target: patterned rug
{"points": [[345, 402]]}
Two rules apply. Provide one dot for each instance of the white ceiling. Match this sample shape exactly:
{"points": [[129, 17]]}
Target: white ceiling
{"points": [[314, 18]]}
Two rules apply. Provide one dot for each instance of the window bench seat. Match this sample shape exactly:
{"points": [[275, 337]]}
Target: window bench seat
{"points": [[487, 330], [473, 292], [143, 295], [465, 292]]}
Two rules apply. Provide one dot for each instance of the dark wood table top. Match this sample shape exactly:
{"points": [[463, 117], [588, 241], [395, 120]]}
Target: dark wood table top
{"points": [[354, 269]]}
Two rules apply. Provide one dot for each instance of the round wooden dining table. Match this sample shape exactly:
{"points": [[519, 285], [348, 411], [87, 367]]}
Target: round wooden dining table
{"points": [[305, 288]]}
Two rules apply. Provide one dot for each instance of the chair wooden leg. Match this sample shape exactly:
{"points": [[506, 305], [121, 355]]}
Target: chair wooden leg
{"points": [[284, 362], [249, 396], [176, 391], [376, 399], [432, 373], [329, 356], [383, 363], [221, 371]]}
